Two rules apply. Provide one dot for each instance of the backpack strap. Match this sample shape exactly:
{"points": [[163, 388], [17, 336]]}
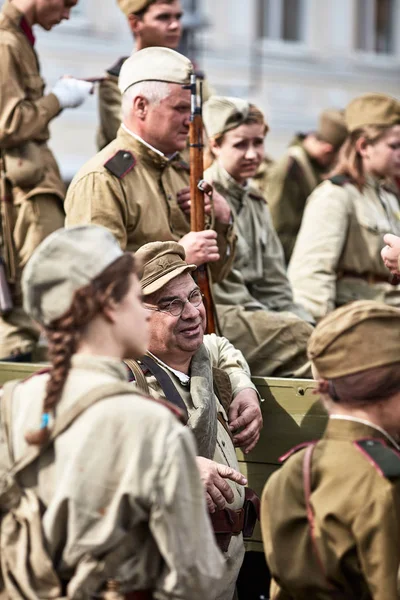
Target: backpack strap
{"points": [[138, 374]]}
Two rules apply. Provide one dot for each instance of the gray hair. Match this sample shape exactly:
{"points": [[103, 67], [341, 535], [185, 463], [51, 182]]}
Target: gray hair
{"points": [[153, 91]]}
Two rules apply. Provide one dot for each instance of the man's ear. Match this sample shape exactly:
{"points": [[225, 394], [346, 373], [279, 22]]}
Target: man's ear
{"points": [[362, 146], [140, 107], [135, 24]]}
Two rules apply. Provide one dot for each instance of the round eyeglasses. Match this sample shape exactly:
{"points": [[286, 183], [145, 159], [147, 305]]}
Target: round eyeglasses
{"points": [[176, 307]]}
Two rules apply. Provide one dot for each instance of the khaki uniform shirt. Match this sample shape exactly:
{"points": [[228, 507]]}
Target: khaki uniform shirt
{"points": [[122, 478], [140, 206], [340, 239], [290, 181], [258, 280], [25, 113], [357, 522]]}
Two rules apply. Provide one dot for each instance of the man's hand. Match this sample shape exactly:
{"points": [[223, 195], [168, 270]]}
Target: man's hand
{"points": [[200, 247], [222, 211], [245, 414], [213, 475], [391, 252]]}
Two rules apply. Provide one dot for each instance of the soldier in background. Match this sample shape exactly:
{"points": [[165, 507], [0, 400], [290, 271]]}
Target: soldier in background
{"points": [[330, 516], [132, 186], [152, 23], [255, 303], [337, 256], [292, 178], [31, 176]]}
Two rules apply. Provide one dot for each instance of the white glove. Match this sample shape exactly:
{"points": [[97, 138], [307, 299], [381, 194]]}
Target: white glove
{"points": [[71, 92]]}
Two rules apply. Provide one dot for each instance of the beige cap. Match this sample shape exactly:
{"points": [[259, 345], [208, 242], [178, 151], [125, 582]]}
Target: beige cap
{"points": [[155, 64], [65, 261], [133, 6], [158, 263], [223, 113], [354, 338], [332, 127], [372, 109]]}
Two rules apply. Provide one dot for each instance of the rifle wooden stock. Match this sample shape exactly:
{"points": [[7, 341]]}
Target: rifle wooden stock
{"points": [[197, 214]]}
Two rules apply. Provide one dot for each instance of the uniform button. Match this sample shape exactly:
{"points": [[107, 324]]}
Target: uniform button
{"points": [[169, 197], [223, 443], [126, 155], [370, 443]]}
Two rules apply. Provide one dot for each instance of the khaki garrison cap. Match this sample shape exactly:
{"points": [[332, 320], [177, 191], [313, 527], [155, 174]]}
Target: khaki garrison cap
{"points": [[155, 64], [65, 261], [133, 6], [332, 127], [359, 336], [223, 113], [372, 109], [158, 263]]}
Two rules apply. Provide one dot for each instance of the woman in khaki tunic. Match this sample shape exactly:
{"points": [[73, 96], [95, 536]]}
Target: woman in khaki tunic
{"points": [[330, 517], [336, 258], [119, 493]]}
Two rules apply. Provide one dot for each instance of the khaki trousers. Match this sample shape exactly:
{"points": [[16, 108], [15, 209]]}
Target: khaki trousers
{"points": [[35, 219], [273, 343]]}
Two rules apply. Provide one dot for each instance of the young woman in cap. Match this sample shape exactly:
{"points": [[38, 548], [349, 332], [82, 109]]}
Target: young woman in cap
{"points": [[336, 258], [330, 516], [118, 490]]}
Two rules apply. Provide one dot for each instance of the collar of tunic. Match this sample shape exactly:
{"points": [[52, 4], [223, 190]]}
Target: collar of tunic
{"points": [[142, 149], [104, 364], [344, 426]]}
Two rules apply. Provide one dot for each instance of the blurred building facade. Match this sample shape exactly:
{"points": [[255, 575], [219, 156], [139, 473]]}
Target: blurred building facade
{"points": [[291, 57]]}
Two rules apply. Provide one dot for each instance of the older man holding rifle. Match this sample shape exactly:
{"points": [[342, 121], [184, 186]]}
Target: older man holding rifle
{"points": [[133, 185]]}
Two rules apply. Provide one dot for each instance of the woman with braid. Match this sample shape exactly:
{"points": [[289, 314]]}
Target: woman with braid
{"points": [[103, 499]]}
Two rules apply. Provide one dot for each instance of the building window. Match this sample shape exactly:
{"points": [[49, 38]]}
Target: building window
{"points": [[281, 20], [375, 20]]}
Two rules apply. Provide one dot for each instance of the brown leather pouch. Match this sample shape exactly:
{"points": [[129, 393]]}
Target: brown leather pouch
{"points": [[24, 165], [251, 509]]}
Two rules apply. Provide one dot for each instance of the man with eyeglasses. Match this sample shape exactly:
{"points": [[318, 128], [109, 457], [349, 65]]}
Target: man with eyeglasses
{"points": [[210, 381]]}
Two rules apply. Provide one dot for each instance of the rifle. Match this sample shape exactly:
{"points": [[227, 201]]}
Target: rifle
{"points": [[198, 187], [8, 260]]}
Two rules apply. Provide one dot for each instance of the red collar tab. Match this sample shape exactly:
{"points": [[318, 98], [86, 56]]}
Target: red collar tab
{"points": [[27, 29]]}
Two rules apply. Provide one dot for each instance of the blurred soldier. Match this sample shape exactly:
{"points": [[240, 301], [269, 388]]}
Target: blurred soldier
{"points": [[337, 502], [292, 179], [337, 256], [131, 186], [152, 23], [255, 302], [115, 500], [210, 380], [30, 175]]}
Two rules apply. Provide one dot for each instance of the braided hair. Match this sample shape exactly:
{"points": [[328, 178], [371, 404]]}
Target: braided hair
{"points": [[64, 334]]}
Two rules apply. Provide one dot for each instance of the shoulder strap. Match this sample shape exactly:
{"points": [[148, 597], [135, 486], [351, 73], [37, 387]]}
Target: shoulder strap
{"points": [[138, 374], [340, 179], [386, 460], [170, 391], [64, 420], [121, 163]]}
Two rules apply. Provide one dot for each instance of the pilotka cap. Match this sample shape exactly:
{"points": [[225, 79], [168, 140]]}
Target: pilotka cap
{"points": [[133, 6], [332, 127], [155, 64], [223, 113], [372, 109], [65, 261], [359, 336], [158, 263]]}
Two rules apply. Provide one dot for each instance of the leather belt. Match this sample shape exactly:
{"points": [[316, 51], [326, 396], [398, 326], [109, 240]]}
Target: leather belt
{"points": [[370, 278]]}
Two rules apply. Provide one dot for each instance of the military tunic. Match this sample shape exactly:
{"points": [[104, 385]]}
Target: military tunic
{"points": [[356, 511], [290, 181], [140, 205], [337, 254], [37, 188], [121, 479], [255, 301], [221, 354]]}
